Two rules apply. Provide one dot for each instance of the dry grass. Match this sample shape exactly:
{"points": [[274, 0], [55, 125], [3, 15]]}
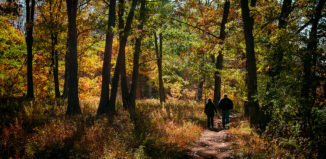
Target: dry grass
{"points": [[41, 130], [246, 143]]}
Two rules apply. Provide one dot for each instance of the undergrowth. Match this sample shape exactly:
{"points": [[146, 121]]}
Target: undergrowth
{"points": [[40, 129], [247, 143]]}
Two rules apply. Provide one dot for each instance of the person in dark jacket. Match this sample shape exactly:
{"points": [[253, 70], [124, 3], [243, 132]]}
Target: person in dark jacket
{"points": [[225, 105], [209, 111]]}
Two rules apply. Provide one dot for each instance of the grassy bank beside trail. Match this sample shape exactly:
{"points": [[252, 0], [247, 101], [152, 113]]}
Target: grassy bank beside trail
{"points": [[40, 129], [248, 144]]}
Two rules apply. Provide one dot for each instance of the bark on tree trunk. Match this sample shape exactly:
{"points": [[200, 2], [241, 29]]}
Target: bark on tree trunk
{"points": [[121, 66], [30, 7], [54, 58], [65, 85], [217, 77], [309, 80], [135, 71], [310, 55], [106, 70], [122, 51], [248, 23], [219, 59], [199, 94], [159, 55], [116, 75], [73, 100]]}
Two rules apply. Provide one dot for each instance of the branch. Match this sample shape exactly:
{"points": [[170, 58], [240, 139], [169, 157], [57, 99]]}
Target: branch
{"points": [[209, 33], [147, 61], [304, 26]]}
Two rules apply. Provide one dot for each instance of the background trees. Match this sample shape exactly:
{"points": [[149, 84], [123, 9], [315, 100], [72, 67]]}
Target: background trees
{"points": [[270, 59]]}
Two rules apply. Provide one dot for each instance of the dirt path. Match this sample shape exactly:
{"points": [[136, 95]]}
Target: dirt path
{"points": [[214, 143]]}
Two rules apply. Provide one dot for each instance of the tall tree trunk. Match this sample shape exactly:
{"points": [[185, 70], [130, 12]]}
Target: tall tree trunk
{"points": [[73, 100], [199, 93], [65, 85], [217, 77], [310, 55], [104, 101], [219, 59], [309, 61], [159, 55], [120, 65], [30, 7], [324, 90], [276, 65], [135, 71], [200, 86], [122, 51], [248, 23], [116, 75], [54, 58]]}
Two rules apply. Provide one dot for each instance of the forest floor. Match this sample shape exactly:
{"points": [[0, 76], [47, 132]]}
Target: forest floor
{"points": [[40, 129], [215, 142]]}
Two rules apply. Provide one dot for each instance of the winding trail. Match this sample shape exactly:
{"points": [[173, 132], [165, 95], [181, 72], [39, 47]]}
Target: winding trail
{"points": [[214, 143]]}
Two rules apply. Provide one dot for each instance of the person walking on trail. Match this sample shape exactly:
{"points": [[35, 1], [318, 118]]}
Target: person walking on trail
{"points": [[225, 105], [209, 111]]}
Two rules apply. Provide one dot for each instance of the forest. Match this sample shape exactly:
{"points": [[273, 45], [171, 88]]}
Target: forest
{"points": [[134, 78]]}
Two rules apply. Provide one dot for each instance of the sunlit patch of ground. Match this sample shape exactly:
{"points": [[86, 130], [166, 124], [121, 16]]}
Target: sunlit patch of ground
{"points": [[246, 143], [42, 130], [214, 143]]}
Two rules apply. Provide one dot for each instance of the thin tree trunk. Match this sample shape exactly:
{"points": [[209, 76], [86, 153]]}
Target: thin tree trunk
{"points": [[248, 23], [116, 75], [135, 71], [219, 59], [159, 55], [325, 90], [65, 85], [199, 94], [104, 100], [29, 42], [73, 100], [54, 58]]}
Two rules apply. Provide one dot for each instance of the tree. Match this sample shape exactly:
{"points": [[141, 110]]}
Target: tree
{"points": [[73, 100], [135, 71], [105, 94], [123, 41], [309, 61], [219, 58], [248, 23], [276, 61], [278, 55], [120, 64], [30, 7], [159, 59], [51, 21]]}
